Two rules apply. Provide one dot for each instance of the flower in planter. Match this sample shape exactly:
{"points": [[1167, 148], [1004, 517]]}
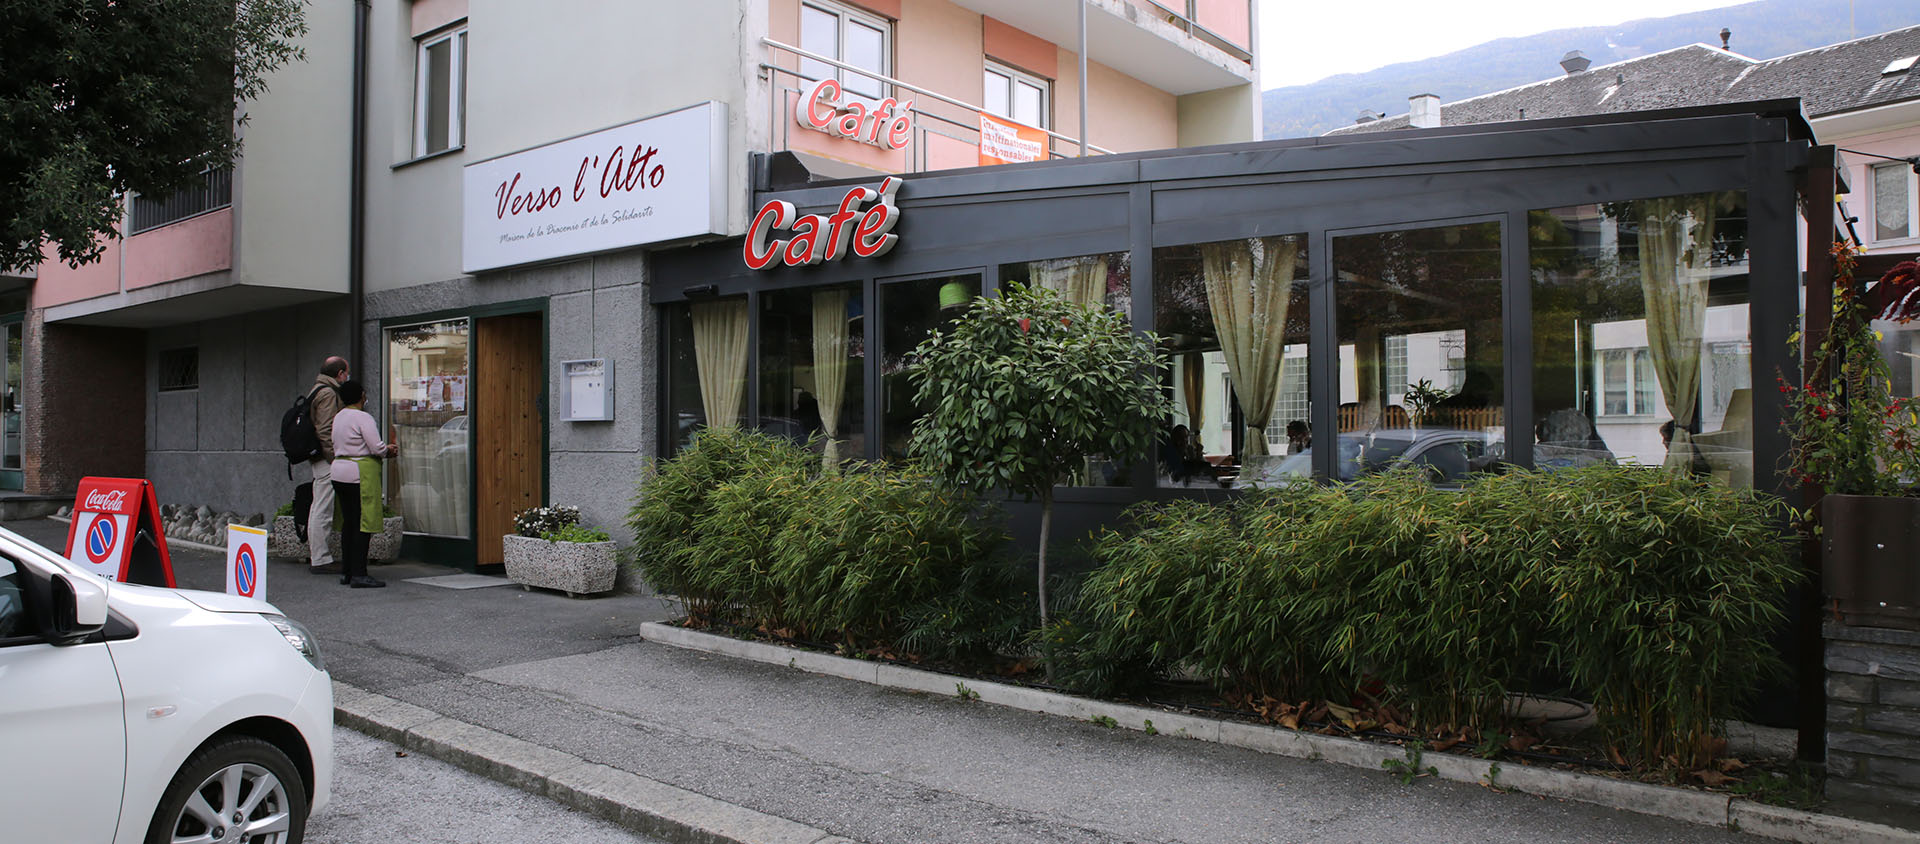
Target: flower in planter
{"points": [[535, 522]]}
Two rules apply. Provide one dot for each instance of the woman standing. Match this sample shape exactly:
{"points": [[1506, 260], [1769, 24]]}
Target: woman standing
{"points": [[356, 482]]}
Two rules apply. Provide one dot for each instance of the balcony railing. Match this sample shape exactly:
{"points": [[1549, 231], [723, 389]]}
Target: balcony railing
{"points": [[961, 124], [214, 191], [1226, 24]]}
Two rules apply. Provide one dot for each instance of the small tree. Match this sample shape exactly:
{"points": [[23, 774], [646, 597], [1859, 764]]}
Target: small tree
{"points": [[1024, 388]]}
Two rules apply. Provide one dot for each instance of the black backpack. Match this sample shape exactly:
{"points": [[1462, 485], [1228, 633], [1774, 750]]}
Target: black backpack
{"points": [[297, 436]]}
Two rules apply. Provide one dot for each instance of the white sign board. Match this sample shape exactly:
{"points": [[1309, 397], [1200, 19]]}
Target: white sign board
{"points": [[658, 179], [247, 562], [100, 541]]}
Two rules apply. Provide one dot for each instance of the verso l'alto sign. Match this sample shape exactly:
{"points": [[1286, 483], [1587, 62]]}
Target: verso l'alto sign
{"points": [[822, 110], [825, 237]]}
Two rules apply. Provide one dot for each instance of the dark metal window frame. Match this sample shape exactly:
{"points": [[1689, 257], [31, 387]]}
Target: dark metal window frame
{"points": [[977, 219], [178, 369]]}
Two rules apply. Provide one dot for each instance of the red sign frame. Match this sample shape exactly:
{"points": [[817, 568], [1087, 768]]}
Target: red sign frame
{"points": [[134, 499]]}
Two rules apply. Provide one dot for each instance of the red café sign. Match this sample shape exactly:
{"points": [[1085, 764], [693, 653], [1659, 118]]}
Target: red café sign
{"points": [[822, 109], [825, 237]]}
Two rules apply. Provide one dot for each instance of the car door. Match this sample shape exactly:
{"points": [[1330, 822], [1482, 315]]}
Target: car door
{"points": [[62, 728]]}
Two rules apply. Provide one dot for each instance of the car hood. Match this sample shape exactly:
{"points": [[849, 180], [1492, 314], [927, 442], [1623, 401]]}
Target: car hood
{"points": [[222, 602]]}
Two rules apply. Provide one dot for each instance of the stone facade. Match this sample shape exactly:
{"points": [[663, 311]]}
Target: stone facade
{"points": [[86, 401], [1873, 721]]}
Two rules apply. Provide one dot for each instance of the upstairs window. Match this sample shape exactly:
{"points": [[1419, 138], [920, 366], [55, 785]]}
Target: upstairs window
{"points": [[440, 92], [1893, 202], [849, 36], [1016, 96]]}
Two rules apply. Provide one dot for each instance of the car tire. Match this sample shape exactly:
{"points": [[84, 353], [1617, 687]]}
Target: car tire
{"points": [[236, 775]]}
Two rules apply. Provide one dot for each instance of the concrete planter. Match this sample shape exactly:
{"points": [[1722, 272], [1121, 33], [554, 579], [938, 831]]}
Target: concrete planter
{"points": [[576, 568], [382, 547]]}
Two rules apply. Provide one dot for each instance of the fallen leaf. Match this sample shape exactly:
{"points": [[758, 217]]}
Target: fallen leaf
{"points": [[1291, 721], [1714, 778], [1521, 742], [400, 754], [1613, 754], [1732, 764], [1445, 745]]}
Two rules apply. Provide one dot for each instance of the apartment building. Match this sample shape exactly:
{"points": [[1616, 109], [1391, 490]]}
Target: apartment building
{"points": [[523, 168]]}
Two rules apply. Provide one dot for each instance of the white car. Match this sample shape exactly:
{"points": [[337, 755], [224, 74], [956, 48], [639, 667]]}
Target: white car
{"points": [[136, 714]]}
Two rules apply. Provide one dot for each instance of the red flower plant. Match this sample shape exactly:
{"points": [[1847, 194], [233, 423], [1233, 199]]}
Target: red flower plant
{"points": [[1896, 296]]}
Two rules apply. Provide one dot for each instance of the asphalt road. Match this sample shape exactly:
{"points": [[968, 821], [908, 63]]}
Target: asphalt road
{"points": [[379, 796]]}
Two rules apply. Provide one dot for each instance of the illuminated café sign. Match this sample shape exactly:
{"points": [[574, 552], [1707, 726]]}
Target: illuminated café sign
{"points": [[886, 123], [652, 180], [825, 237]]}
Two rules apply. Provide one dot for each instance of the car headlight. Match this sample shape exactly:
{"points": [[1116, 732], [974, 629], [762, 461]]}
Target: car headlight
{"points": [[299, 637]]}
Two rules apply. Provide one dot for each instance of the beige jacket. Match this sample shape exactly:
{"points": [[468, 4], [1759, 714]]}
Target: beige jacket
{"points": [[326, 403]]}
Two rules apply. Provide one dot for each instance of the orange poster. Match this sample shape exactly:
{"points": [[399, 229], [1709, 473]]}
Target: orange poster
{"points": [[1007, 142]]}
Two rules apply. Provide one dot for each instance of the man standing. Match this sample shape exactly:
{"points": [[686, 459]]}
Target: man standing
{"points": [[326, 403]]}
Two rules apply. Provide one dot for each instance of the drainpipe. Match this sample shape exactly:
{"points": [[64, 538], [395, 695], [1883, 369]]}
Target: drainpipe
{"points": [[357, 193], [1083, 76]]}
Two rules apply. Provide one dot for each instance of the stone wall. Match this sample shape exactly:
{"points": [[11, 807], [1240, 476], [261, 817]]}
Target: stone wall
{"points": [[1873, 721], [84, 402]]}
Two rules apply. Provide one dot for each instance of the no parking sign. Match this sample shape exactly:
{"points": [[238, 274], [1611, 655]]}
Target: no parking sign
{"points": [[247, 562]]}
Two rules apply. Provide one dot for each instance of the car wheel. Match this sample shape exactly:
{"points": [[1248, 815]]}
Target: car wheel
{"points": [[238, 790]]}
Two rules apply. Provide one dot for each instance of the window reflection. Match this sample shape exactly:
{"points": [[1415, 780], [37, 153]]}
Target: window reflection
{"points": [[811, 350], [1642, 349], [427, 388], [1233, 317], [1106, 280], [1421, 355], [909, 313]]}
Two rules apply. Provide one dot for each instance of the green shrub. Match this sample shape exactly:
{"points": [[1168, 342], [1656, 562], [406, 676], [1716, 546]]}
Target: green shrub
{"points": [[576, 533], [673, 498], [1653, 593], [862, 549], [727, 561], [1665, 589]]}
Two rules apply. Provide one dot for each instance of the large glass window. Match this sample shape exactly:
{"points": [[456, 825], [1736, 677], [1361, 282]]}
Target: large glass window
{"points": [[427, 381], [707, 364], [13, 400], [849, 36], [812, 350], [1232, 315], [910, 311], [1420, 349], [1642, 348]]}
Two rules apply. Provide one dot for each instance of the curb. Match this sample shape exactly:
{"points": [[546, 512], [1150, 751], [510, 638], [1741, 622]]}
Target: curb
{"points": [[647, 806], [1699, 807]]}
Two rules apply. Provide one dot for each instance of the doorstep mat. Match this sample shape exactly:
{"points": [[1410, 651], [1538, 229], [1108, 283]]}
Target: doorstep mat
{"points": [[461, 581]]}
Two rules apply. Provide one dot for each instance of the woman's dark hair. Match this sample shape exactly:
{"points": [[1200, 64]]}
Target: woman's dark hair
{"points": [[351, 393]]}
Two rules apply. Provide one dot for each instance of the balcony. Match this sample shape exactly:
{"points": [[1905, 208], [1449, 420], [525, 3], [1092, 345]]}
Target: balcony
{"points": [[1177, 46], [941, 132]]}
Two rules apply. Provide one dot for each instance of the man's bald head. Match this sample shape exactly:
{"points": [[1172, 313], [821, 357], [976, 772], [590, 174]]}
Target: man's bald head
{"points": [[334, 367]]}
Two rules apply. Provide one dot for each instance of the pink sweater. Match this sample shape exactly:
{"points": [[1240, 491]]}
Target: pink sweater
{"points": [[355, 434]]}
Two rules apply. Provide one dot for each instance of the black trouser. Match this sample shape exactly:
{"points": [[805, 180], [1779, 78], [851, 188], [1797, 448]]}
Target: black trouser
{"points": [[353, 540]]}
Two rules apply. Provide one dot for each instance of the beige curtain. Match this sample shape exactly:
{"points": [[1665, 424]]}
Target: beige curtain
{"points": [[1081, 281], [1676, 237], [1249, 283], [1193, 371], [830, 366], [720, 353]]}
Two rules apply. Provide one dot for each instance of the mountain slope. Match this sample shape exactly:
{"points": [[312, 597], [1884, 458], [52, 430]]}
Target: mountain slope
{"points": [[1761, 30]]}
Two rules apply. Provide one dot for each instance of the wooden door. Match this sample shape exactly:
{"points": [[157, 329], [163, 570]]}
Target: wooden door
{"points": [[508, 427]]}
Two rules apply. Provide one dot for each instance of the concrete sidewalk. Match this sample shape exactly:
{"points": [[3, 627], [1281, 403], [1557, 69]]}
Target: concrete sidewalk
{"points": [[564, 698]]}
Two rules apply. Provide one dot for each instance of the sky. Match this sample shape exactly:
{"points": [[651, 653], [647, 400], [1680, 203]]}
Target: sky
{"points": [[1303, 42]]}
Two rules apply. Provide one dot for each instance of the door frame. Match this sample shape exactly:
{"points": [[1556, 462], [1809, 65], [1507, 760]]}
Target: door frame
{"points": [[15, 479], [458, 552]]}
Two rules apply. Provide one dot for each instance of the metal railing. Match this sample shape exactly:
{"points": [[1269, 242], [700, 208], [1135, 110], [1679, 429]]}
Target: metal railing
{"points": [[1190, 22], [925, 122], [215, 191]]}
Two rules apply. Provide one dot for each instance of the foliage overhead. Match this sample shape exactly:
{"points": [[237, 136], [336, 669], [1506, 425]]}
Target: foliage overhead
{"points": [[101, 98]]}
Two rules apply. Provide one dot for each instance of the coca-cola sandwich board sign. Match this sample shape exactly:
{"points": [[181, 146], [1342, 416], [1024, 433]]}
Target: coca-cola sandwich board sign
{"points": [[115, 532], [658, 179]]}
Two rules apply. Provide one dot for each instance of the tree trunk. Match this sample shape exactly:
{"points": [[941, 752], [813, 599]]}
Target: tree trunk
{"points": [[1046, 527]]}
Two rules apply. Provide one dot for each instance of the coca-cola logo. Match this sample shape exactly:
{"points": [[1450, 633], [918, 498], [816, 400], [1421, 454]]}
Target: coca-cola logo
{"points": [[105, 501]]}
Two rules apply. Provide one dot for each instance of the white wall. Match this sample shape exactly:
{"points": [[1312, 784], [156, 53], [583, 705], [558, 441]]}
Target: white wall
{"points": [[538, 73], [290, 190]]}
